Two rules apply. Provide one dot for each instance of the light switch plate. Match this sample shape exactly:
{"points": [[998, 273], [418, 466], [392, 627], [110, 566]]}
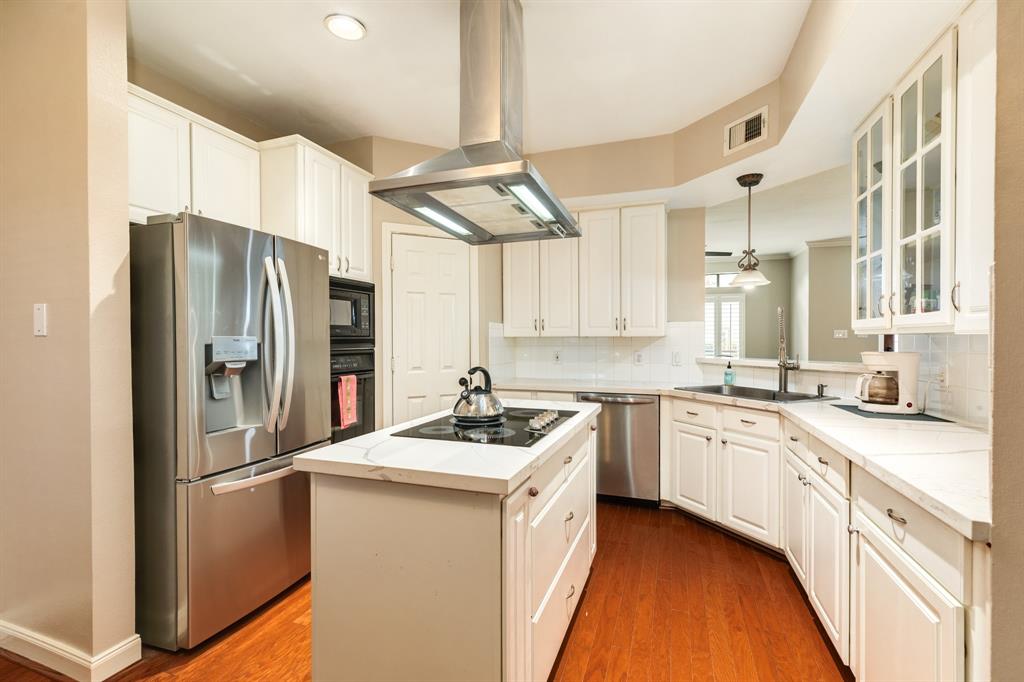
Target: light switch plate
{"points": [[558, 357], [638, 358], [39, 319], [677, 358], [840, 333]]}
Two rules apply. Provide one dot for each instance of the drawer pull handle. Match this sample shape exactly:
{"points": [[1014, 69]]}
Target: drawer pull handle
{"points": [[572, 591], [895, 517], [533, 492], [692, 413], [747, 422], [708, 438], [822, 460], [794, 439], [570, 516], [568, 459]]}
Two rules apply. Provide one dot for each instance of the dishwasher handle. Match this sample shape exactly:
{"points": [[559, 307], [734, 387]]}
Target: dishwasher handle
{"points": [[616, 399]]}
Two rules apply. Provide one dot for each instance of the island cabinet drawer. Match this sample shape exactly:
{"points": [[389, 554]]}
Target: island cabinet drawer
{"points": [[828, 464], [940, 550], [795, 438], [557, 470], [557, 526], [701, 414], [552, 619], [751, 422]]}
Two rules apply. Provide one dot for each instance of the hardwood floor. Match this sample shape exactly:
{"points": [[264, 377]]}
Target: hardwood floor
{"points": [[669, 598]]}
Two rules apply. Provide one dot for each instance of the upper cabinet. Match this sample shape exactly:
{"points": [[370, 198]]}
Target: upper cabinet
{"points": [[225, 178], [178, 161], [316, 197], [159, 169], [623, 272], [923, 190], [539, 287]]}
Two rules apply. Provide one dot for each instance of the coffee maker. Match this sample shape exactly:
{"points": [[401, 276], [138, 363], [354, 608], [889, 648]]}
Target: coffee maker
{"points": [[890, 384]]}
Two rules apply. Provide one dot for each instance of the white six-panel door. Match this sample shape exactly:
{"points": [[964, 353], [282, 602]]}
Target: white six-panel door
{"points": [[559, 287], [692, 468], [225, 178], [158, 160], [599, 273], [520, 293], [430, 323], [643, 308]]}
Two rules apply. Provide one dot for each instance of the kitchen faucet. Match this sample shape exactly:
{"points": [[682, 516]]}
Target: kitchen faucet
{"points": [[785, 364]]}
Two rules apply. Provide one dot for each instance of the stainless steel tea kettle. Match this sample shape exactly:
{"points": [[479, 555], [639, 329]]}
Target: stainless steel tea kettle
{"points": [[477, 403]]}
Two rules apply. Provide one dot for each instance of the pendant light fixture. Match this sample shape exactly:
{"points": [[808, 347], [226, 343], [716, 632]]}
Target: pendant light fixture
{"points": [[749, 276]]}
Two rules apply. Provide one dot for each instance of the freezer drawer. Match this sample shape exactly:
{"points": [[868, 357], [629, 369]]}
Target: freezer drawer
{"points": [[248, 539]]}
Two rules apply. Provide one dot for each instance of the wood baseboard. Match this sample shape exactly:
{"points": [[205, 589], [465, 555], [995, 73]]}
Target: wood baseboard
{"points": [[68, 661]]}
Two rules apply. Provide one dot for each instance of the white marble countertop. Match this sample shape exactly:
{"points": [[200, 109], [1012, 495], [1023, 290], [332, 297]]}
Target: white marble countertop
{"points": [[477, 467], [943, 467]]}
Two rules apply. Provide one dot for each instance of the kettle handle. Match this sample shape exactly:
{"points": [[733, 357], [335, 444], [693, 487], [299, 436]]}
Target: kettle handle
{"points": [[860, 384], [487, 377]]}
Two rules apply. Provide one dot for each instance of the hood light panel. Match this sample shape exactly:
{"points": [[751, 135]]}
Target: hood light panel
{"points": [[523, 193], [442, 221]]}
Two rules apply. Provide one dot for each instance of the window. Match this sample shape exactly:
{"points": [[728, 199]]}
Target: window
{"points": [[723, 325], [719, 280]]}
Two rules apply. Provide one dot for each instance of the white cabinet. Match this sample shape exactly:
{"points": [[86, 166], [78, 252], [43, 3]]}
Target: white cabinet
{"points": [[906, 626], [643, 263], [539, 287], [623, 271], [872, 153], [749, 486], [316, 197], [690, 484], [828, 560], [356, 228], [599, 273], [794, 514], [158, 160], [225, 178], [975, 165], [520, 267], [516, 585]]}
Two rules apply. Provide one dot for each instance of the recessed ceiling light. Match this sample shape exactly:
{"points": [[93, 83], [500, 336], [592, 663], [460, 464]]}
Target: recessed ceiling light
{"points": [[345, 26]]}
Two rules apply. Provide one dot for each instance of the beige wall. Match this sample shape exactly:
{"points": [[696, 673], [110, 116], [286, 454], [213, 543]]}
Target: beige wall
{"points": [[799, 304], [686, 265], [168, 88], [67, 571], [1008, 361], [829, 306]]}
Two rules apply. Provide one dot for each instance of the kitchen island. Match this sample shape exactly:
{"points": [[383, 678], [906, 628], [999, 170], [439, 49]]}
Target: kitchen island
{"points": [[445, 560]]}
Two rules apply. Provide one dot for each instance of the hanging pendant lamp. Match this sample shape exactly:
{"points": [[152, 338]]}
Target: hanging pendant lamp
{"points": [[749, 276]]}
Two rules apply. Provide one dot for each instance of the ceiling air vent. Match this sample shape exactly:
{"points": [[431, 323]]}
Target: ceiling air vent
{"points": [[746, 131]]}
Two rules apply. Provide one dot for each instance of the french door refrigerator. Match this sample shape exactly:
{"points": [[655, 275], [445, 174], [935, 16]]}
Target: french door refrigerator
{"points": [[230, 379]]}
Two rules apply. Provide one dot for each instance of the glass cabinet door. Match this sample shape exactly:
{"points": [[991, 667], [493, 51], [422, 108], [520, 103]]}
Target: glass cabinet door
{"points": [[872, 154], [922, 225]]}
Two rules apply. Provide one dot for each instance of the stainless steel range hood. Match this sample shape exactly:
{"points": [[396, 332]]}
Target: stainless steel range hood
{"points": [[484, 192]]}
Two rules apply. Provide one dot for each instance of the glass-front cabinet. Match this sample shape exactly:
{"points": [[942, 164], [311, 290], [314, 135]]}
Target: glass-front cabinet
{"points": [[871, 221], [903, 212]]}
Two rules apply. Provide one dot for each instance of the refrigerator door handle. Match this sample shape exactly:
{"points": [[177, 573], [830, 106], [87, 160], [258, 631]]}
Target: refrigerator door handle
{"points": [[289, 315], [273, 406], [252, 481]]}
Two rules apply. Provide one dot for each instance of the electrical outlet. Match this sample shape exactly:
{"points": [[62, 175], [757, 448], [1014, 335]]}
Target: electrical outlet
{"points": [[840, 333], [942, 378], [558, 357], [39, 319], [638, 358], [677, 358]]}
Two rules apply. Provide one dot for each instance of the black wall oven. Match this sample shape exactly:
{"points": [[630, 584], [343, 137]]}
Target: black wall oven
{"points": [[357, 361], [351, 310]]}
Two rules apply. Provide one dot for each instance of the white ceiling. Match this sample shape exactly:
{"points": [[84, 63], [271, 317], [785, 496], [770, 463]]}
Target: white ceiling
{"points": [[595, 71]]}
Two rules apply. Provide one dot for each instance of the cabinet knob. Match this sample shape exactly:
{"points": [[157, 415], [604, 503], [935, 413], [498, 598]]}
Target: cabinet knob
{"points": [[725, 442], [572, 591], [570, 516], [707, 438], [200, 211], [533, 492], [568, 460], [593, 427], [794, 439], [851, 530]]}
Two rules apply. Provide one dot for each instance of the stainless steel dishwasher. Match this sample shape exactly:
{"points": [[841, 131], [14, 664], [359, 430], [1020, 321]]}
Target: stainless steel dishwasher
{"points": [[628, 444]]}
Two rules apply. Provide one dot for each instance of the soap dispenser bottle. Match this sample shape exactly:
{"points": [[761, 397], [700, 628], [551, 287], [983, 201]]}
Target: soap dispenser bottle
{"points": [[730, 374]]}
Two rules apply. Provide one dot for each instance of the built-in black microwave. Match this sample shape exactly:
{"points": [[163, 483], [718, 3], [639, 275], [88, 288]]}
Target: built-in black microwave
{"points": [[351, 310]]}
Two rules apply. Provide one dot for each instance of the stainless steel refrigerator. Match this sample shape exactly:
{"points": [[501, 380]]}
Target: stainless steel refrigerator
{"points": [[230, 379]]}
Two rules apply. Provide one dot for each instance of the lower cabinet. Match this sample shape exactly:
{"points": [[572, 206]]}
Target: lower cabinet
{"points": [[548, 541], [794, 514], [906, 625], [691, 482], [749, 486]]}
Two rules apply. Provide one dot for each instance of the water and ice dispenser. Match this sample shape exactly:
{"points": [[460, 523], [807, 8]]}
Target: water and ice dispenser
{"points": [[234, 382]]}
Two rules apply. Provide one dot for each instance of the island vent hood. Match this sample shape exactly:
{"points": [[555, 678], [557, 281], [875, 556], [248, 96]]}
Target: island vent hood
{"points": [[484, 192]]}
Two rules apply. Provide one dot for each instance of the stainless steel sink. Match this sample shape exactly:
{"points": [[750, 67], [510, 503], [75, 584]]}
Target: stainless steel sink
{"points": [[751, 393]]}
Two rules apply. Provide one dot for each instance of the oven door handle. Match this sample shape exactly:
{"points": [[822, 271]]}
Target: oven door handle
{"points": [[289, 314], [274, 402]]}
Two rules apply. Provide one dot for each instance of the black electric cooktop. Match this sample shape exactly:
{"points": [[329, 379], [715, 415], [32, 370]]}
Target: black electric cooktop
{"points": [[515, 430]]}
